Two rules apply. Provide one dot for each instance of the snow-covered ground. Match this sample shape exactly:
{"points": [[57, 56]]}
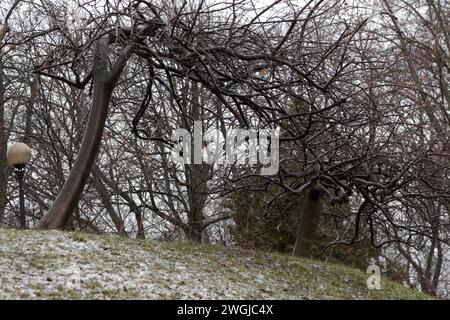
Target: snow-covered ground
{"points": [[53, 264]]}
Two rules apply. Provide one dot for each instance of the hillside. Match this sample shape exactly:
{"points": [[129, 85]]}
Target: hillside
{"points": [[35, 265]]}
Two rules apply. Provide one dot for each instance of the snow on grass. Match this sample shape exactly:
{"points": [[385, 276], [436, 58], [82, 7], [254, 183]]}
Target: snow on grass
{"points": [[70, 265]]}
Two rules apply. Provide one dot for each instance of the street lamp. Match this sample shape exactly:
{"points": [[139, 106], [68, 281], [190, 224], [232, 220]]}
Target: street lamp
{"points": [[19, 155]]}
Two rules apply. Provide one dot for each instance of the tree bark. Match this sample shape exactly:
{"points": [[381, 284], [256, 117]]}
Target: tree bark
{"points": [[309, 224], [197, 176]]}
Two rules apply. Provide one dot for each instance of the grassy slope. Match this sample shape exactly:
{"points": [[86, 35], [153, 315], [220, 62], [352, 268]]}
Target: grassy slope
{"points": [[35, 264]]}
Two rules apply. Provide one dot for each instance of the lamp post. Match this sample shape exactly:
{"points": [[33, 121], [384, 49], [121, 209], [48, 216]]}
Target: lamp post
{"points": [[18, 156]]}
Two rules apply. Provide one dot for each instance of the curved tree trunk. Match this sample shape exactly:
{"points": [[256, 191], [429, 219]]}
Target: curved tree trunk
{"points": [[61, 210], [104, 81]]}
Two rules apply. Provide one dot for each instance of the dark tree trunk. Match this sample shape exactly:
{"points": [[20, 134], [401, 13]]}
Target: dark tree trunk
{"points": [[140, 224], [426, 285], [309, 223], [197, 176], [193, 233]]}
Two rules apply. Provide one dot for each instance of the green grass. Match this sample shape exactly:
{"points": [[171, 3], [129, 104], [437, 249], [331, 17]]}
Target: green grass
{"points": [[33, 265]]}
